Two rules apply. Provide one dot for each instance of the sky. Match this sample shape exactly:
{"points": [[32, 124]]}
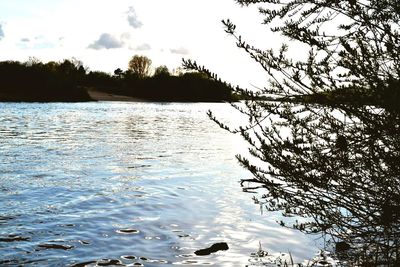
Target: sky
{"points": [[105, 34]]}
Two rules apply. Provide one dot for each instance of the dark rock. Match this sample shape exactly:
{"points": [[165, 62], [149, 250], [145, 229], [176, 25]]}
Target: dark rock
{"points": [[214, 248]]}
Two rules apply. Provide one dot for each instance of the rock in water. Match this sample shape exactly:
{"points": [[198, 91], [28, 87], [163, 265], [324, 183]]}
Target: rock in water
{"points": [[214, 248]]}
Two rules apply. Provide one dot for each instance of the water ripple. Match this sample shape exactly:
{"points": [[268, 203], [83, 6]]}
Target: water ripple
{"points": [[138, 184]]}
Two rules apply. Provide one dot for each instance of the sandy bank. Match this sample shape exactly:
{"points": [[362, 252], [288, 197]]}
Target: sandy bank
{"points": [[103, 96]]}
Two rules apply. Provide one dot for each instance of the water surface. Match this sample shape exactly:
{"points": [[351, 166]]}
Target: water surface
{"points": [[130, 183]]}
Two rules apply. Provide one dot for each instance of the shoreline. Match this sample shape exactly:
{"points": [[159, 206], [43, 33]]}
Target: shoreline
{"points": [[91, 95], [97, 95]]}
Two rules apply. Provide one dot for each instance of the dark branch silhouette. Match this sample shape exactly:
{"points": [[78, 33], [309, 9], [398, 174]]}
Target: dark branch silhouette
{"points": [[323, 136]]}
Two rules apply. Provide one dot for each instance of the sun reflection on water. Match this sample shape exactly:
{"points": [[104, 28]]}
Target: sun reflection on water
{"points": [[129, 183]]}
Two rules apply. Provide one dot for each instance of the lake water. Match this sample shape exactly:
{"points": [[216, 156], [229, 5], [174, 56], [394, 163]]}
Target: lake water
{"points": [[132, 183]]}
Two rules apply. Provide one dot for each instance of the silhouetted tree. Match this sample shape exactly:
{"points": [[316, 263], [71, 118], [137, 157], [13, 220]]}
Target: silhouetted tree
{"points": [[32, 61], [68, 81], [336, 164], [35, 81], [100, 80], [118, 73], [140, 65], [161, 71]]}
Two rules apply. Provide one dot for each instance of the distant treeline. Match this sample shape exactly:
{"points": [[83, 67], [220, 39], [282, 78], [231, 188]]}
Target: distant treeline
{"points": [[35, 81], [69, 80], [189, 86]]}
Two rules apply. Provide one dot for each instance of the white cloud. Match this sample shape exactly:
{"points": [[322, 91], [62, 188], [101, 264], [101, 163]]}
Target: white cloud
{"points": [[143, 47], [180, 51], [37, 43], [1, 32], [133, 19], [126, 36], [171, 30], [107, 41]]}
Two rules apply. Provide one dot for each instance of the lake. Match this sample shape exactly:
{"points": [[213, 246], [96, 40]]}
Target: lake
{"points": [[131, 183]]}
